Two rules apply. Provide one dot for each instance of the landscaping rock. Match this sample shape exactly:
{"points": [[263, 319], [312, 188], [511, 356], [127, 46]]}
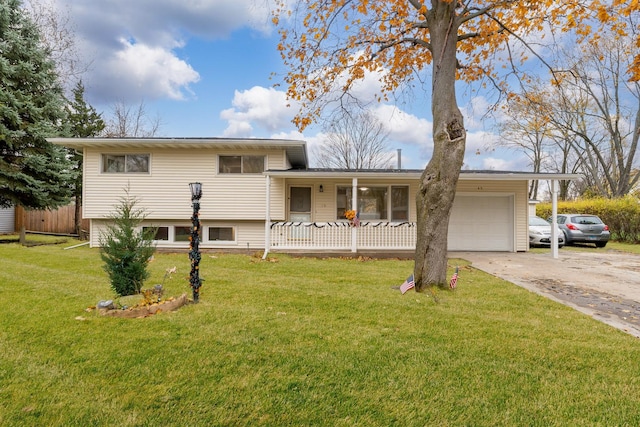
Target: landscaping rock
{"points": [[149, 310]]}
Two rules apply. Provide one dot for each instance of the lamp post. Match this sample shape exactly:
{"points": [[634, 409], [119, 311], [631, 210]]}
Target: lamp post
{"points": [[194, 247]]}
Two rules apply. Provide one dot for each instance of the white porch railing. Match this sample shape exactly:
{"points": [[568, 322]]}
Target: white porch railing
{"points": [[340, 235]]}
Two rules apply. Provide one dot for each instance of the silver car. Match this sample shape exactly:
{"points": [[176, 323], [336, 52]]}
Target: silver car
{"points": [[540, 233], [582, 228]]}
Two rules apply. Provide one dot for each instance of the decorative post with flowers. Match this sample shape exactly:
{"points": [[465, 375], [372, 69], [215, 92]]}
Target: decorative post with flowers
{"points": [[353, 217], [194, 247]]}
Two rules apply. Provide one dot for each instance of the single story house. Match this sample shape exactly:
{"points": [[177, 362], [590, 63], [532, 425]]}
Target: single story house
{"points": [[261, 194]]}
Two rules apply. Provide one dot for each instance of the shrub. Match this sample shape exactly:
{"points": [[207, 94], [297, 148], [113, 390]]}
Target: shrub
{"points": [[127, 249], [621, 215]]}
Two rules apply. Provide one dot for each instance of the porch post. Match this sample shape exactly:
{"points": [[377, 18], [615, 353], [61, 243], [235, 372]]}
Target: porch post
{"points": [[267, 220], [354, 206], [554, 218]]}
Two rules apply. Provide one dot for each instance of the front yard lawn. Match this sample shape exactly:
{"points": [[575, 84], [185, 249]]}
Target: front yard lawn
{"points": [[301, 341]]}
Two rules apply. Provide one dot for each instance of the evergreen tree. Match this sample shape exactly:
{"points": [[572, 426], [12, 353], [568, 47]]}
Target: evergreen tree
{"points": [[84, 121], [33, 172], [127, 248]]}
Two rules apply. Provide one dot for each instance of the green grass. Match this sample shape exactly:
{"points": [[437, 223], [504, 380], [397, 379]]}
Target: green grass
{"points": [[623, 247], [611, 246], [301, 341]]}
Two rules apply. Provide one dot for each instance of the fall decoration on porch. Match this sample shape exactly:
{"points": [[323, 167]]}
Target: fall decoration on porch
{"points": [[350, 214]]}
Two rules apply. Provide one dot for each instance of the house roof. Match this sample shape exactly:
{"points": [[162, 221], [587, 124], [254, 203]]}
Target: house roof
{"points": [[296, 150], [399, 174]]}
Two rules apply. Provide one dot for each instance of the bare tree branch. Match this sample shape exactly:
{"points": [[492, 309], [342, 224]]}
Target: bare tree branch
{"points": [[131, 121], [354, 141]]}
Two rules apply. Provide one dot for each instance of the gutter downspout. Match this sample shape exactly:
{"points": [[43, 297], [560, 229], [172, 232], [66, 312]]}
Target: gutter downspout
{"points": [[267, 220]]}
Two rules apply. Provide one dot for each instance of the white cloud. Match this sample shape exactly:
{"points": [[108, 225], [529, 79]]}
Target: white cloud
{"points": [[504, 164], [132, 47], [475, 112], [141, 72], [480, 142], [238, 129], [164, 21], [404, 127], [493, 163], [265, 108], [293, 135]]}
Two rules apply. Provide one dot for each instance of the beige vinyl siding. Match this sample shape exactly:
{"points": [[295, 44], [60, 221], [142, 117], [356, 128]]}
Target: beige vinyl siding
{"points": [[278, 199], [249, 235], [164, 192]]}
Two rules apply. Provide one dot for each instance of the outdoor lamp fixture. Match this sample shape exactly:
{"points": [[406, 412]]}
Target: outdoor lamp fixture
{"points": [[321, 189], [196, 190], [194, 247]]}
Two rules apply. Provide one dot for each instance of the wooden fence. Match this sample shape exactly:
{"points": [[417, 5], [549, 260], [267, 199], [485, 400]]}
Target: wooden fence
{"points": [[60, 221]]}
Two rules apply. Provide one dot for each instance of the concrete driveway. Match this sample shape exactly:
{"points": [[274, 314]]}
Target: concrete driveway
{"points": [[602, 283]]}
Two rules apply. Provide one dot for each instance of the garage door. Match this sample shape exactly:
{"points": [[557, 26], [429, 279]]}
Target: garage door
{"points": [[481, 223], [7, 220]]}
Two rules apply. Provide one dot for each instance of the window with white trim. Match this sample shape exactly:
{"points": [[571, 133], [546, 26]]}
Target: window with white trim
{"points": [[162, 233], [222, 234], [375, 202], [125, 163], [181, 233], [399, 203], [241, 164]]}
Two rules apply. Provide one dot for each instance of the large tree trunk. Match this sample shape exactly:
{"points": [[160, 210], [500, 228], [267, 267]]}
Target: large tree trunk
{"points": [[438, 182]]}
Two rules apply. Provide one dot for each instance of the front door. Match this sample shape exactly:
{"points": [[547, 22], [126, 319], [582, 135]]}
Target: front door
{"points": [[300, 210]]}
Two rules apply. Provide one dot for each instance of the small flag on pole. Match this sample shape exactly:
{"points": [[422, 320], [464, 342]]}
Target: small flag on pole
{"points": [[356, 220], [408, 284], [454, 279]]}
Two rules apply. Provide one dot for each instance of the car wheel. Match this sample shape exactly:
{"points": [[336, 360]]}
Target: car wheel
{"points": [[560, 246], [601, 244], [566, 239]]}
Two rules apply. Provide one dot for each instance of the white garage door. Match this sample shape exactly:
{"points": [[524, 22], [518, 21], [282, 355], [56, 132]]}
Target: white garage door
{"points": [[481, 223]]}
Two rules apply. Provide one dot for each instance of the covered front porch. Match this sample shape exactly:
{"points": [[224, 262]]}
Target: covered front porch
{"points": [[343, 236], [306, 211]]}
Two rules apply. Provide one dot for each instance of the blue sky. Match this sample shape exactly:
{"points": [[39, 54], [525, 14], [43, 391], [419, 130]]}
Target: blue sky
{"points": [[206, 69]]}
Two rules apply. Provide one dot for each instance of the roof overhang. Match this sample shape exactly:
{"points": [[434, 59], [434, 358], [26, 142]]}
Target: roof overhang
{"points": [[414, 174], [296, 150]]}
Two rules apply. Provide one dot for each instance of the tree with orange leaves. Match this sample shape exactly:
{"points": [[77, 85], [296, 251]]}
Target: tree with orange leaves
{"points": [[329, 45]]}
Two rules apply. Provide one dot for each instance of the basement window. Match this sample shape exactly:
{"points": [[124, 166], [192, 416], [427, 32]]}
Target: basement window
{"points": [[224, 234], [162, 233]]}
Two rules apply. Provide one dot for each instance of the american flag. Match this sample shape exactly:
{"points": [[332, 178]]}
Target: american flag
{"points": [[408, 284], [356, 220], [454, 279]]}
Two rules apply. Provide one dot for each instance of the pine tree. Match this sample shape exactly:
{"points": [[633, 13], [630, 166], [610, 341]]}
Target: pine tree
{"points": [[84, 121], [33, 172], [126, 248]]}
